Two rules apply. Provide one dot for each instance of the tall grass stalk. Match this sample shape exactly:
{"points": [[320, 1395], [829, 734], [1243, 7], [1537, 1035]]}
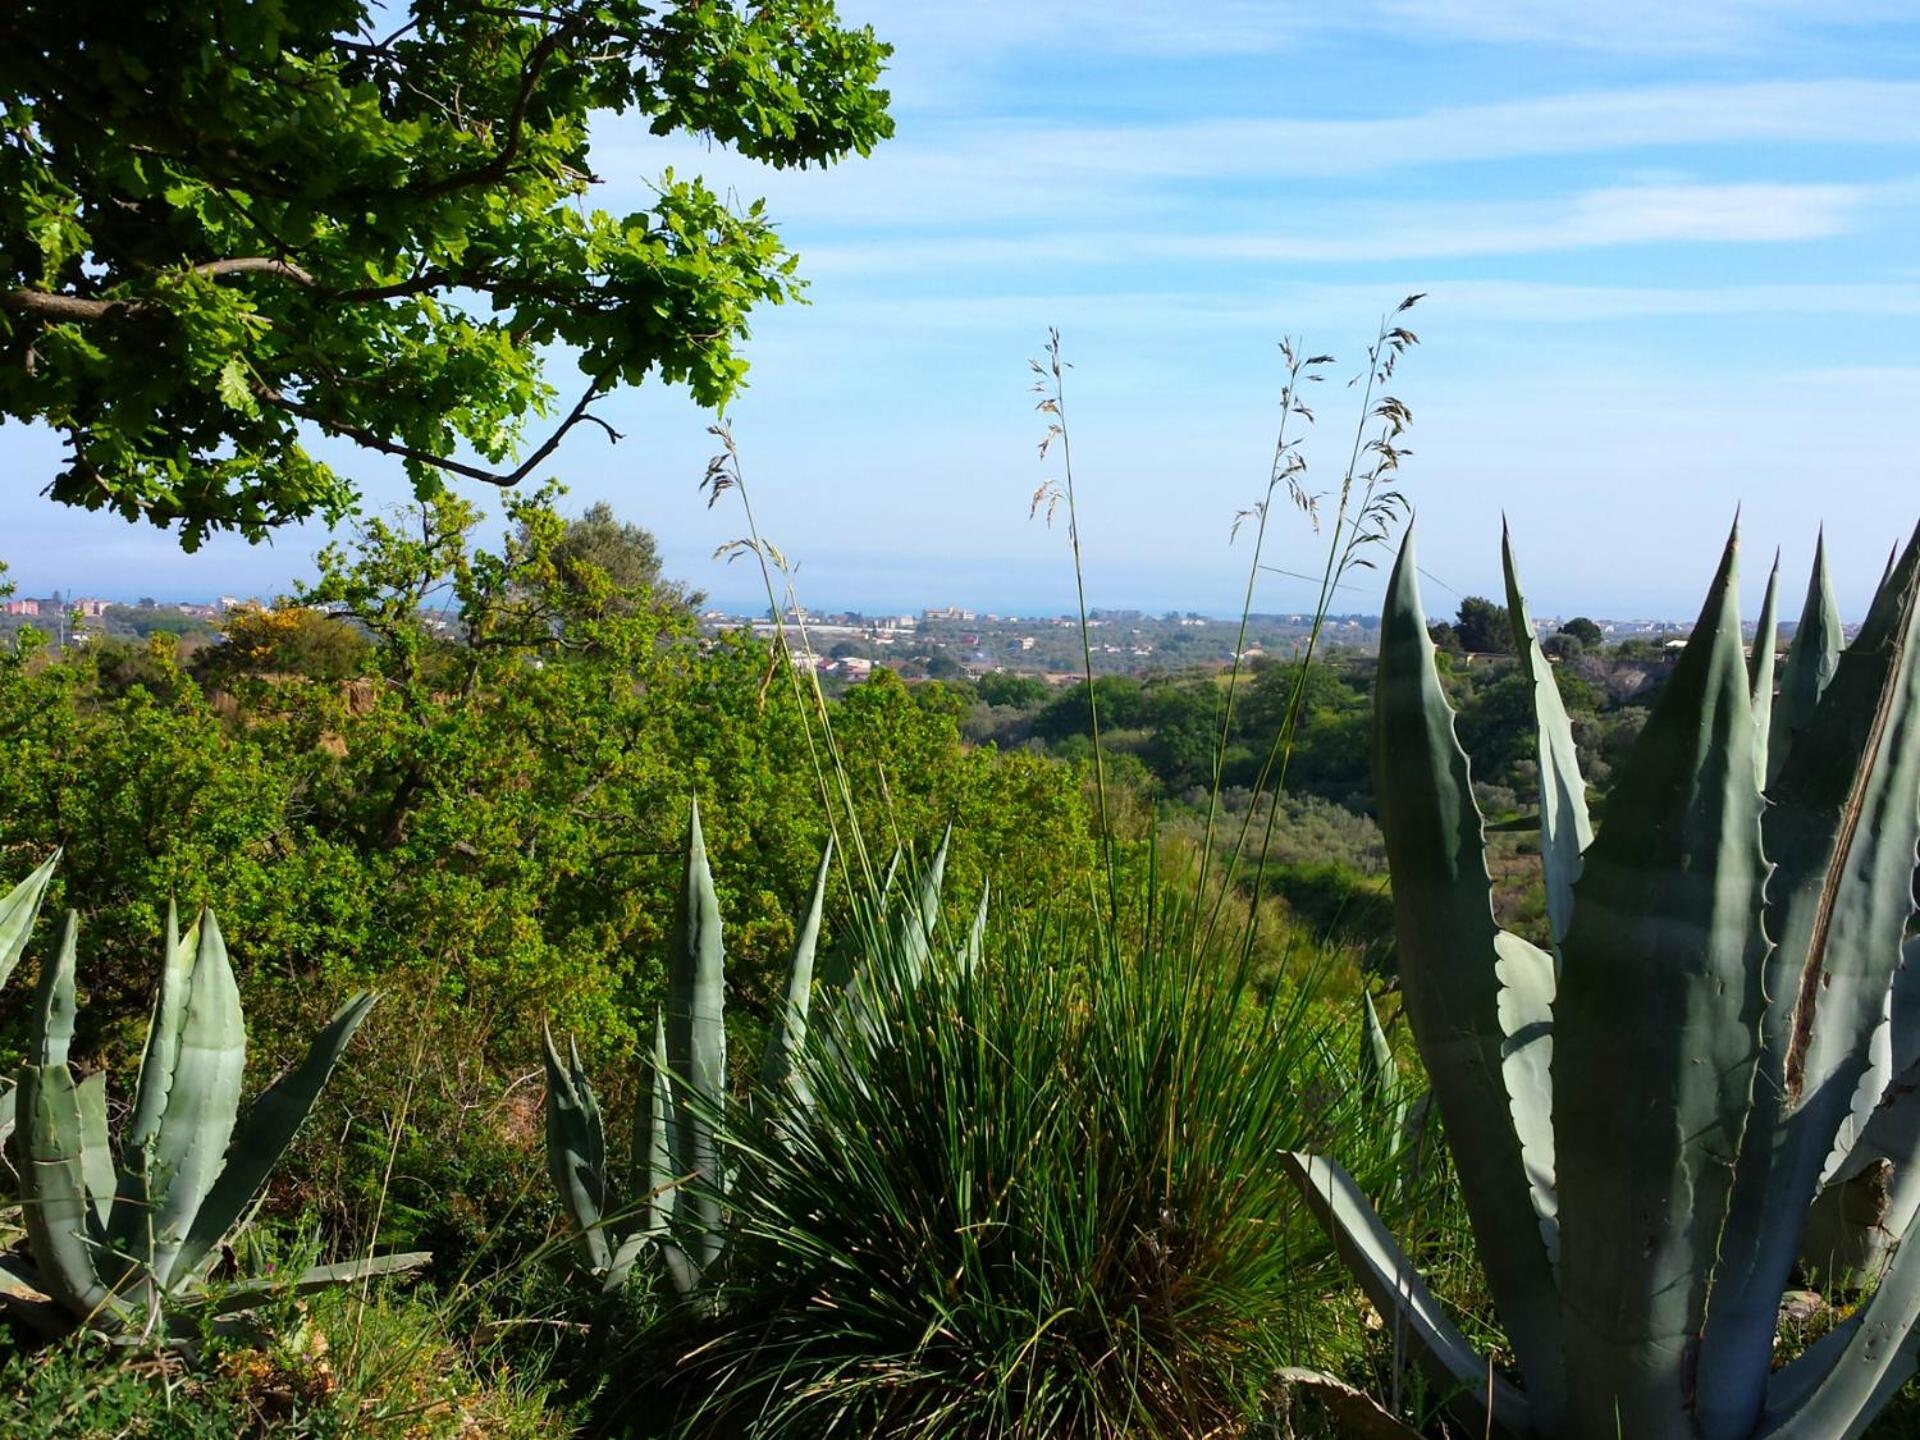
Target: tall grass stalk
{"points": [[1354, 529], [1289, 465], [1050, 384], [724, 474]]}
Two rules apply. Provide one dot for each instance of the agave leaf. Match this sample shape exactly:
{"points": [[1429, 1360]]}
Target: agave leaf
{"points": [[663, 1193], [1842, 830], [203, 1100], [6, 1127], [53, 1196], [790, 1025], [17, 913], [30, 1308], [1358, 1415], [96, 1150], [1380, 1078], [266, 1132], [248, 1294], [1872, 1356], [20, 1287], [1527, 979], [681, 1273], [932, 881], [697, 1047], [1397, 1291], [1796, 1382], [132, 1233], [1660, 993], [1766, 636], [913, 928], [1565, 828], [1379, 1072], [1875, 1193], [653, 1151], [1906, 1004], [653, 1134], [621, 1266], [596, 1134], [575, 1155], [1812, 657], [696, 1034], [976, 942], [1849, 1231], [1443, 913], [53, 1001], [163, 1034], [1867, 1091]]}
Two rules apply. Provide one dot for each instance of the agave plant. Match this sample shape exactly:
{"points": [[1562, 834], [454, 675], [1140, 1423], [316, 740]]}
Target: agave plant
{"points": [[1641, 1117], [128, 1245], [674, 1148], [673, 1134], [18, 911]]}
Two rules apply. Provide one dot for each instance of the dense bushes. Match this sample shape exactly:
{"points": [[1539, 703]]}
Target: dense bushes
{"points": [[481, 811], [481, 820]]}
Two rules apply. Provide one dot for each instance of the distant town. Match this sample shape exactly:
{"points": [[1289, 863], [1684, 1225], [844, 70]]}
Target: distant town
{"points": [[70, 619], [941, 642], [949, 642]]}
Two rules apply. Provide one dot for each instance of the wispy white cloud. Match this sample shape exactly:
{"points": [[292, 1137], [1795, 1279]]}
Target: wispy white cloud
{"points": [[1623, 215], [999, 169], [1233, 27], [858, 321], [1696, 27], [1666, 118], [1892, 390], [1384, 231]]}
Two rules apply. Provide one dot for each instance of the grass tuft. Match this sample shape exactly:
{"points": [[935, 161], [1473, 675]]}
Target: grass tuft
{"points": [[1032, 1197]]}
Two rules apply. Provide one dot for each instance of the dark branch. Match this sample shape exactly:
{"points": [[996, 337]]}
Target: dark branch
{"points": [[255, 265], [496, 168], [52, 306], [424, 283], [62, 307], [506, 480]]}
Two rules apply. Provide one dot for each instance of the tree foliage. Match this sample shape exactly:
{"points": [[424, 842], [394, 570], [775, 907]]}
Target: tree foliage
{"points": [[1585, 631], [1483, 627], [599, 547], [224, 229], [1563, 646], [1020, 692]]}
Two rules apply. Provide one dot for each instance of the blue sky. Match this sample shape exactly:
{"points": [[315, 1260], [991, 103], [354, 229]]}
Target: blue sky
{"points": [[1669, 250]]}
